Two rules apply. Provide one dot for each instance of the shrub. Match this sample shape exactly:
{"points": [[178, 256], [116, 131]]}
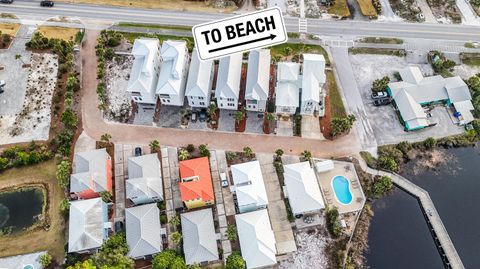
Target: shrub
{"points": [[204, 151], [64, 207], [248, 152], [164, 259], [380, 85], [381, 185], [190, 148], [45, 260], [388, 163], [342, 125], [430, 143], [235, 261], [333, 223], [231, 233], [63, 173], [163, 219], [231, 155], [154, 146]]}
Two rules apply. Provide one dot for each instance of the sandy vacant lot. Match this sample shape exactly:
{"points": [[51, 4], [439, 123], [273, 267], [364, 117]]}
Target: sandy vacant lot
{"points": [[67, 34], [52, 240]]}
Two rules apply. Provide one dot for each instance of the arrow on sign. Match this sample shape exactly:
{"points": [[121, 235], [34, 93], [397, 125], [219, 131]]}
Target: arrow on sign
{"points": [[271, 37]]}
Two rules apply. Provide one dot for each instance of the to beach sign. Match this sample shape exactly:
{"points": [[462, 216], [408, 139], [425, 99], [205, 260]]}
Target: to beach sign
{"points": [[240, 33]]}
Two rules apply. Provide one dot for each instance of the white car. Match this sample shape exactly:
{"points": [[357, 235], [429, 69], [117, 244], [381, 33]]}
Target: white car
{"points": [[379, 95], [223, 179], [2, 83]]}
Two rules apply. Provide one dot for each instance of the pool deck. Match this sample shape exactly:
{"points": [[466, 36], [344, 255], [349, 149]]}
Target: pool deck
{"points": [[346, 170], [17, 262]]}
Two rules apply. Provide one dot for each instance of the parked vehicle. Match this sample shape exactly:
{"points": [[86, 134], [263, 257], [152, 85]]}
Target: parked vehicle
{"points": [[203, 116], [2, 83], [118, 226], [379, 95], [382, 102], [194, 116], [47, 3], [224, 181], [6, 1], [138, 151]]}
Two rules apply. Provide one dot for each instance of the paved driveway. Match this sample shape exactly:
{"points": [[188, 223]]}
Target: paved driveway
{"points": [[15, 76]]}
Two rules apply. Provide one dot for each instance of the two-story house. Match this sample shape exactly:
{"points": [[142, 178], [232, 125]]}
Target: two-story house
{"points": [[145, 71], [144, 184], [313, 79], [287, 89], [249, 186], [173, 74], [199, 84], [258, 80], [228, 82]]}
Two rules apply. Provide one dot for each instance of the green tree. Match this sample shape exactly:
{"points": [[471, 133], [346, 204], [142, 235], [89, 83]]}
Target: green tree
{"points": [[231, 233], [235, 261], [279, 153], [164, 259], [106, 196], [287, 51], [113, 253], [178, 263], [176, 238], [194, 266], [4, 162], [87, 264], [204, 151], [190, 148], [342, 125], [175, 221], [63, 173], [307, 155], [333, 223], [183, 155], [248, 151], [45, 259], [388, 163], [380, 85], [239, 116], [231, 155], [154, 146], [106, 137], [474, 82], [430, 143], [64, 207], [381, 185], [212, 110]]}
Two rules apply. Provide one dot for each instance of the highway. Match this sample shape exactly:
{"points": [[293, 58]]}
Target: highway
{"points": [[342, 29]]}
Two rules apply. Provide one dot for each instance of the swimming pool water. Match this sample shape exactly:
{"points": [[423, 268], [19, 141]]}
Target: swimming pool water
{"points": [[342, 190]]}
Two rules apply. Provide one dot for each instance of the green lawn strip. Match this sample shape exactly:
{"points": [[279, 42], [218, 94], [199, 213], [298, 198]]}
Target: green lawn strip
{"points": [[336, 103], [132, 36], [392, 52], [298, 48], [382, 40], [154, 26], [472, 59]]}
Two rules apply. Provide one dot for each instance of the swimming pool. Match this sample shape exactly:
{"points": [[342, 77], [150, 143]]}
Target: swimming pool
{"points": [[341, 187]]}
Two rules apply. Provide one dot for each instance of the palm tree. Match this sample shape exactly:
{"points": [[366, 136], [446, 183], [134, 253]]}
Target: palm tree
{"points": [[307, 155], [248, 151], [270, 117], [231, 233], [175, 221], [212, 110], [239, 116], [106, 137], [279, 152], [154, 146], [183, 155]]}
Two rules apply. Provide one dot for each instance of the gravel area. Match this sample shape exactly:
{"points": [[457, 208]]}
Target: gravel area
{"points": [[310, 252], [33, 121], [116, 80], [466, 71]]}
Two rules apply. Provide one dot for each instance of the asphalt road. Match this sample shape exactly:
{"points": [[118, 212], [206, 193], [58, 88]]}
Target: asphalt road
{"points": [[341, 29]]}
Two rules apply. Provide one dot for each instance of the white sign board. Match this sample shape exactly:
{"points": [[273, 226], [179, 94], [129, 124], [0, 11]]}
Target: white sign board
{"points": [[240, 33]]}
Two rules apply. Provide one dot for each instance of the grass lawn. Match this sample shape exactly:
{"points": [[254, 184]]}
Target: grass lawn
{"points": [[339, 8], [155, 26], [132, 36], [160, 4], [382, 40], [67, 34], [9, 28], [367, 8], [336, 103], [472, 59], [299, 49], [38, 239], [392, 52]]}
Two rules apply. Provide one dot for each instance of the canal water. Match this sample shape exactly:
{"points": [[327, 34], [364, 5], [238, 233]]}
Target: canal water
{"points": [[20, 209], [399, 236]]}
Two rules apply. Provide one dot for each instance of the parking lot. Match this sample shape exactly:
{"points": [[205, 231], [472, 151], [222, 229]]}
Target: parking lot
{"points": [[384, 121]]}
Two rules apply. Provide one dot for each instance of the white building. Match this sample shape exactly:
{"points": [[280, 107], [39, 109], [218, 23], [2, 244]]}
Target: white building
{"points": [[145, 180], [173, 74], [302, 188], [145, 71], [88, 226], [258, 80], [313, 79], [249, 186], [228, 82], [199, 241], [257, 240], [287, 90], [199, 84], [142, 225]]}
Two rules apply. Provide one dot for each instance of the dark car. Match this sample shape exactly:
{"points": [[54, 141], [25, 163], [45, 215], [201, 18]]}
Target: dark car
{"points": [[6, 1], [203, 115], [46, 3], [382, 102], [138, 151], [118, 226]]}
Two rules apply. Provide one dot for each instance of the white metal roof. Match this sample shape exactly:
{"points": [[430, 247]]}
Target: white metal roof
{"points": [[258, 75], [145, 178], [90, 171], [143, 230], [465, 108], [249, 185], [86, 226], [199, 77], [324, 166], [302, 186], [313, 77], [257, 240], [287, 91], [287, 71], [199, 243], [457, 89], [173, 54], [228, 76], [143, 75]]}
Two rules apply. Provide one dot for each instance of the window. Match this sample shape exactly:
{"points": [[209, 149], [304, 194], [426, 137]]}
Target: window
{"points": [[230, 99], [200, 98], [193, 103], [202, 103]]}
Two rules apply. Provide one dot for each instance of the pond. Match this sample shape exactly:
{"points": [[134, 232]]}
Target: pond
{"points": [[21, 208]]}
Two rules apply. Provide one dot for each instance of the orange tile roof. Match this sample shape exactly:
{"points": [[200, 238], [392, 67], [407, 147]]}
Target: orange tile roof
{"points": [[202, 188]]}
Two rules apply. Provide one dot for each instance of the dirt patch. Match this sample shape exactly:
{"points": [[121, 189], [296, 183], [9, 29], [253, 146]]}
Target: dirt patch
{"points": [[445, 11], [67, 34], [52, 238], [430, 160], [9, 28]]}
